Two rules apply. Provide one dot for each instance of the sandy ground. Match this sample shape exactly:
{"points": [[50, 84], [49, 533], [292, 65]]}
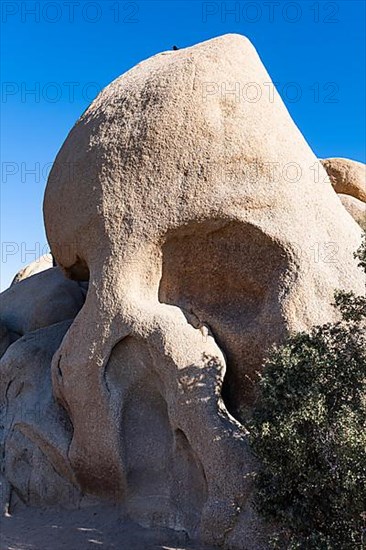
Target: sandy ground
{"points": [[85, 529]]}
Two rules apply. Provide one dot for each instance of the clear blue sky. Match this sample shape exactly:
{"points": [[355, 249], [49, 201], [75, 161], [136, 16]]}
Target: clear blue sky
{"points": [[67, 50]]}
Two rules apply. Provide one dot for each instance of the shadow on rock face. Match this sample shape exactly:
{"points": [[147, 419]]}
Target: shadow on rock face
{"points": [[36, 431], [36, 313], [165, 479], [195, 268], [229, 277], [40, 301]]}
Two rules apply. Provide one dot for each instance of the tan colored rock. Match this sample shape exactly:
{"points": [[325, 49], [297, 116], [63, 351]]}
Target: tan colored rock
{"points": [[39, 301], [356, 208], [181, 209], [41, 264], [36, 430], [196, 267], [347, 176]]}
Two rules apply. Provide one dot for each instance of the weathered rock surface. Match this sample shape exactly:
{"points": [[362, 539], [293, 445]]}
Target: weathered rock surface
{"points": [[356, 208], [36, 431], [347, 176], [181, 211], [39, 301], [41, 264]]}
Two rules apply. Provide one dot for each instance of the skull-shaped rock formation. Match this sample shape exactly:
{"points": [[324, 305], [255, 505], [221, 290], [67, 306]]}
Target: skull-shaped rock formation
{"points": [[186, 195]]}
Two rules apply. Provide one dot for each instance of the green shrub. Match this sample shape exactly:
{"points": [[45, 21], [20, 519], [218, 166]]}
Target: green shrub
{"points": [[309, 433]]}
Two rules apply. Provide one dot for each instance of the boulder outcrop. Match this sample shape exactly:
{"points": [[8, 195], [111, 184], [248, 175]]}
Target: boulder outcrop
{"points": [[356, 208], [347, 176], [39, 301], [180, 211]]}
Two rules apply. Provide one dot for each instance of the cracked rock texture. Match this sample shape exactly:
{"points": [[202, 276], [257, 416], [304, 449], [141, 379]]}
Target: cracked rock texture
{"points": [[194, 214]]}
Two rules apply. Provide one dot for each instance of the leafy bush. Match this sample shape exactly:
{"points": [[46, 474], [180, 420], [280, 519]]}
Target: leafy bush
{"points": [[309, 433]]}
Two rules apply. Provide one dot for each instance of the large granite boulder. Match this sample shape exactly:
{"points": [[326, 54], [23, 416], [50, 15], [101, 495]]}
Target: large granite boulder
{"points": [[347, 176], [36, 430], [193, 211], [38, 301], [356, 208]]}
